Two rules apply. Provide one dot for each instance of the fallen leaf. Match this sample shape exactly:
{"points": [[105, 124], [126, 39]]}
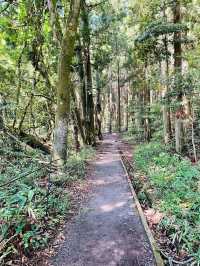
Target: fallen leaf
{"points": [[153, 217]]}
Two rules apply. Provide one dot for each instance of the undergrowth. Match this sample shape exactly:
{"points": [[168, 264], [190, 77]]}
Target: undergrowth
{"points": [[174, 183], [31, 207]]}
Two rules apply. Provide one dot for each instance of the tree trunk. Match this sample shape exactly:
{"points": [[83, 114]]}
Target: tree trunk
{"points": [[54, 19], [1, 113], [110, 104], [19, 72], [77, 116], [25, 113], [193, 138], [179, 130], [118, 98], [146, 100], [75, 127], [89, 121], [64, 84], [166, 107], [147, 122], [98, 107], [138, 111], [127, 106], [81, 76]]}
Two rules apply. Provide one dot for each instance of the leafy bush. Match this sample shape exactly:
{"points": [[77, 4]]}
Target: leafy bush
{"points": [[176, 193], [75, 166]]}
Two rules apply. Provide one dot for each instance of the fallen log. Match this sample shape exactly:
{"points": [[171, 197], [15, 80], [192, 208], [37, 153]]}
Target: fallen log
{"points": [[22, 144], [34, 142]]}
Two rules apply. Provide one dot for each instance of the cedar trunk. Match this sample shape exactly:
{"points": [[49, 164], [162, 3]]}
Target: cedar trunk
{"points": [[118, 98], [98, 107], [89, 118], [179, 130], [166, 107]]}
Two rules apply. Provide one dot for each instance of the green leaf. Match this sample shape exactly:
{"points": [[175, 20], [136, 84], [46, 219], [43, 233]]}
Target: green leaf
{"points": [[30, 195]]}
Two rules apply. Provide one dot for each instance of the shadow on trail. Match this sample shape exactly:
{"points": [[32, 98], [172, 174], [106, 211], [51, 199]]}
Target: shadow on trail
{"points": [[108, 230]]}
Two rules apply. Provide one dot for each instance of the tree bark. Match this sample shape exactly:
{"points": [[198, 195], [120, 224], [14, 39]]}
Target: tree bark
{"points": [[146, 100], [57, 31], [89, 121], [138, 111], [98, 107], [127, 106], [78, 117], [193, 138], [25, 112], [179, 130], [81, 77], [166, 107], [75, 127], [110, 104], [1, 113], [19, 74], [64, 84], [118, 97], [147, 122]]}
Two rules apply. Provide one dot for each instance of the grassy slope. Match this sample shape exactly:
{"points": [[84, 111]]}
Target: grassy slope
{"points": [[174, 183]]}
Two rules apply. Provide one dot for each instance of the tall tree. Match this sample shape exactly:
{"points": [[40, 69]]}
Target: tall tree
{"points": [[65, 83], [89, 103], [166, 107], [179, 130], [118, 97], [98, 106]]}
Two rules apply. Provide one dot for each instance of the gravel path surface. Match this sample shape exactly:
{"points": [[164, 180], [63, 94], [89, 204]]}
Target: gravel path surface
{"points": [[108, 230]]}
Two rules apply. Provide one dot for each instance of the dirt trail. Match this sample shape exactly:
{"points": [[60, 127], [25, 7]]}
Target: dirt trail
{"points": [[108, 230]]}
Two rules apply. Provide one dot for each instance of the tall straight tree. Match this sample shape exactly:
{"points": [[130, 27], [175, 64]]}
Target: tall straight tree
{"points": [[89, 118], [98, 106], [65, 84], [166, 107], [179, 134], [118, 97]]}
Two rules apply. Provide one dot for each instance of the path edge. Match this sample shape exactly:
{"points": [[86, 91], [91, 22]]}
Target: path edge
{"points": [[156, 253]]}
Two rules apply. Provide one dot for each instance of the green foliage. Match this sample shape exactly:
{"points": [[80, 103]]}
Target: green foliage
{"points": [[30, 212], [175, 182], [75, 166], [157, 28]]}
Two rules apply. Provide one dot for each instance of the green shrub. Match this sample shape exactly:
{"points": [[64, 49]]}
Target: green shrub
{"points": [[29, 212], [176, 193]]}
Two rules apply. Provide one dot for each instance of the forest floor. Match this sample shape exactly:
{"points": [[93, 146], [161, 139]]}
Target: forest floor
{"points": [[108, 229]]}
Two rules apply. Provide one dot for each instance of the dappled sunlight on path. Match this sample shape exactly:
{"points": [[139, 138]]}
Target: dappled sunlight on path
{"points": [[108, 230]]}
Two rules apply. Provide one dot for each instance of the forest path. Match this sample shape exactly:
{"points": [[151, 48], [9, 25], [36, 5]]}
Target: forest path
{"points": [[108, 230]]}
